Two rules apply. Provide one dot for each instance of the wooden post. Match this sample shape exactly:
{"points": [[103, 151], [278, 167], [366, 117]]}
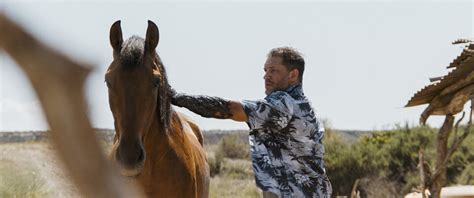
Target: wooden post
{"points": [[354, 192], [439, 177], [423, 176], [58, 82]]}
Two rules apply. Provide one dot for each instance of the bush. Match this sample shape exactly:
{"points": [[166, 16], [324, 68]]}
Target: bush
{"points": [[378, 187], [232, 146], [342, 164], [392, 155], [215, 163], [467, 176]]}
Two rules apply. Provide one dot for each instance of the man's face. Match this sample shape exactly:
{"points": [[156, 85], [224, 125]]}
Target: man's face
{"points": [[277, 76]]}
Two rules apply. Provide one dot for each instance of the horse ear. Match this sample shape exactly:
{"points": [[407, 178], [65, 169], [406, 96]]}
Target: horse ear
{"points": [[116, 36], [152, 37]]}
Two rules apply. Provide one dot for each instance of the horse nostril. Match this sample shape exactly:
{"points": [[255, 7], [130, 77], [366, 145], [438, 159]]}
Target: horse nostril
{"points": [[141, 156], [130, 155], [118, 157]]}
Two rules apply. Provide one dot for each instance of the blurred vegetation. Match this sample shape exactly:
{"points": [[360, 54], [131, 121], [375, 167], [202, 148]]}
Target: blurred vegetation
{"points": [[385, 162], [389, 159], [229, 162], [19, 181], [215, 163], [213, 137], [232, 146]]}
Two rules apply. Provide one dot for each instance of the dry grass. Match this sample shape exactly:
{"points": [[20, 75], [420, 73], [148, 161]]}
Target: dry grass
{"points": [[235, 179], [32, 170], [19, 180], [231, 177], [232, 146], [225, 187]]}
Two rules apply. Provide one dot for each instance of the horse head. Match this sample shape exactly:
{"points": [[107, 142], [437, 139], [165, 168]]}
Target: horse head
{"points": [[138, 99]]}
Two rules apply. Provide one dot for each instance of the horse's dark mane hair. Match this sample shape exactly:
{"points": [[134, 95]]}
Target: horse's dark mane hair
{"points": [[133, 50], [164, 100]]}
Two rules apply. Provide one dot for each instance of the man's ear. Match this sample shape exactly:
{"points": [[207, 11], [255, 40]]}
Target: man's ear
{"points": [[294, 75]]}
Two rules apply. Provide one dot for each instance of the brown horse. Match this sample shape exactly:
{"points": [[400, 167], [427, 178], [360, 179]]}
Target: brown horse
{"points": [[153, 145]]}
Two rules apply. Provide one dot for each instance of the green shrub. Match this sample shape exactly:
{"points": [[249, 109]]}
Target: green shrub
{"points": [[393, 156], [342, 165], [467, 175], [376, 186]]}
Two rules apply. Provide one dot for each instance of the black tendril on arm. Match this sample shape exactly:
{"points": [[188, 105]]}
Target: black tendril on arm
{"points": [[205, 106]]}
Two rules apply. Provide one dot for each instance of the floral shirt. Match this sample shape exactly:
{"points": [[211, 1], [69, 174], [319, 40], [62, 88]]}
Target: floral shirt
{"points": [[286, 145]]}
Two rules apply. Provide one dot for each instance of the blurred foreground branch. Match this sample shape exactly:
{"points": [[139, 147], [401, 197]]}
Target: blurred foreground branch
{"points": [[58, 82]]}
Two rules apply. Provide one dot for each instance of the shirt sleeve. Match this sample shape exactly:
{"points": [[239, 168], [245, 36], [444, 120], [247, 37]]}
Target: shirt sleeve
{"points": [[274, 112]]}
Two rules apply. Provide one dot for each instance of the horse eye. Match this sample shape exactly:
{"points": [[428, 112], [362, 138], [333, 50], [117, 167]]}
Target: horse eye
{"points": [[107, 83]]}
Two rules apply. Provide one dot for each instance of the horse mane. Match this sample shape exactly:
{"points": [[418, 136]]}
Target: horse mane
{"points": [[131, 54], [164, 100]]}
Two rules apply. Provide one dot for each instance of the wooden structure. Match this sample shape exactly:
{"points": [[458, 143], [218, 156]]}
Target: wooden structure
{"points": [[449, 93], [447, 96]]}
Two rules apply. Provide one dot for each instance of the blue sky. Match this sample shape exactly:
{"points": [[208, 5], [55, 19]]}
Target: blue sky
{"points": [[364, 59]]}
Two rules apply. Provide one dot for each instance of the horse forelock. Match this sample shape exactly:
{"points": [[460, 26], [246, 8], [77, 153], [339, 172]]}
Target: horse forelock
{"points": [[132, 51]]}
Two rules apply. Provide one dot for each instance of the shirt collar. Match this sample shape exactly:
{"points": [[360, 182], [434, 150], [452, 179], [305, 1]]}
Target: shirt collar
{"points": [[295, 90]]}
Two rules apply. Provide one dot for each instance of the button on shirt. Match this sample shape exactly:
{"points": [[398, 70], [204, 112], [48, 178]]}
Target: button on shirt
{"points": [[286, 145]]}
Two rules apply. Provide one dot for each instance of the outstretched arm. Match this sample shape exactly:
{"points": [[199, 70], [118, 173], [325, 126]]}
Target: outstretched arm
{"points": [[209, 107]]}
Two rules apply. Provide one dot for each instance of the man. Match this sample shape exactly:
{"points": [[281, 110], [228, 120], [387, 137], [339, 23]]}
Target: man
{"points": [[285, 137]]}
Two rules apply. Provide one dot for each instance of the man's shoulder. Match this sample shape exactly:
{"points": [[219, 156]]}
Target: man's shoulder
{"points": [[280, 100]]}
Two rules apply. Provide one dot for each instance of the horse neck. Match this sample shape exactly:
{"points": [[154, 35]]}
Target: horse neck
{"points": [[155, 133], [157, 138]]}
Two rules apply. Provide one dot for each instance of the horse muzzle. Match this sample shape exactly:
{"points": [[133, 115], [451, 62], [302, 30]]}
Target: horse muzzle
{"points": [[130, 159], [130, 172]]}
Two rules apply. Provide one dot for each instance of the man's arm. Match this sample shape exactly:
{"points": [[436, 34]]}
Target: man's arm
{"points": [[210, 107], [238, 111]]}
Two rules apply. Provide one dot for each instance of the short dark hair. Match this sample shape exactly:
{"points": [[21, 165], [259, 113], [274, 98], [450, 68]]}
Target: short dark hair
{"points": [[291, 58]]}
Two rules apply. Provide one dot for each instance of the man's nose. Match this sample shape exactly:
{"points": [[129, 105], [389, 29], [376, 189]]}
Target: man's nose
{"points": [[266, 76]]}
